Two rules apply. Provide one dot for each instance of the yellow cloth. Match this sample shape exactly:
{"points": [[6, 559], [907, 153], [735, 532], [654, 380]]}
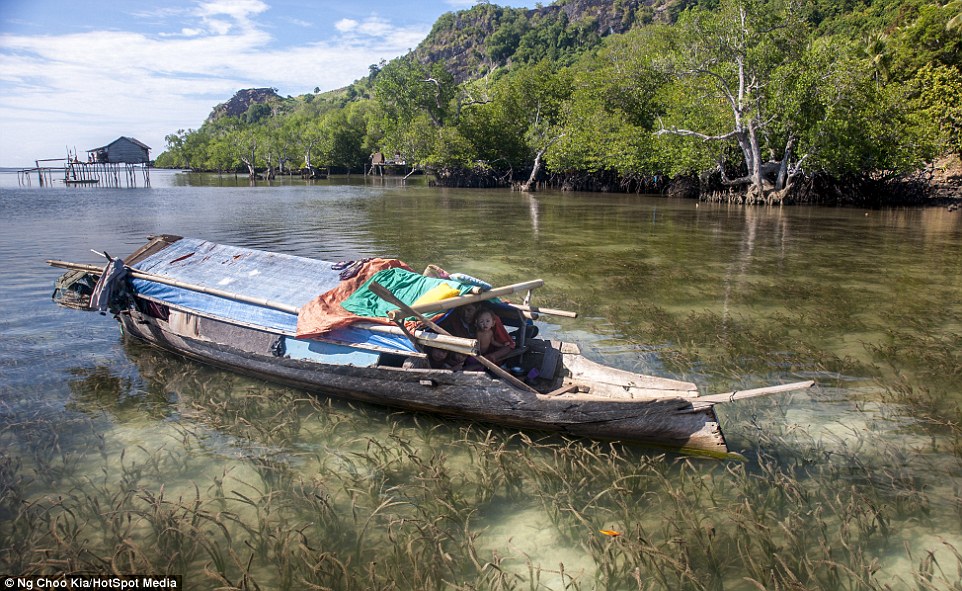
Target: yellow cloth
{"points": [[439, 292]]}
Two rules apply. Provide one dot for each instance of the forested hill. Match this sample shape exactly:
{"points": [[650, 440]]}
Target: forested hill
{"points": [[472, 43], [756, 100]]}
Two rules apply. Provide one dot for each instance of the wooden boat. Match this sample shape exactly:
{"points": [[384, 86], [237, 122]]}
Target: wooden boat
{"points": [[285, 319]]}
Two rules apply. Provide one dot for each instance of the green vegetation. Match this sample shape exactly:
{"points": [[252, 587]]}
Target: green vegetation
{"points": [[754, 98]]}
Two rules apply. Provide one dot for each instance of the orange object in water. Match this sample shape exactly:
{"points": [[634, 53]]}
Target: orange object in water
{"points": [[610, 532]]}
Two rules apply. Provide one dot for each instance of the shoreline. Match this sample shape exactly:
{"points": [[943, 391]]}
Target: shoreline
{"points": [[938, 185]]}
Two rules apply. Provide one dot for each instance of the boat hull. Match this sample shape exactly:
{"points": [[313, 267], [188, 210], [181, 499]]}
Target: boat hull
{"points": [[650, 410]]}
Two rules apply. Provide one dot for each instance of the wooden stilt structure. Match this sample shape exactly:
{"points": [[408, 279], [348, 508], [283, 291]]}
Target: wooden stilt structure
{"points": [[381, 167], [74, 173]]}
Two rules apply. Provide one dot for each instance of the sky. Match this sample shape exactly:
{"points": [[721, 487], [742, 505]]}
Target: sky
{"points": [[78, 74]]}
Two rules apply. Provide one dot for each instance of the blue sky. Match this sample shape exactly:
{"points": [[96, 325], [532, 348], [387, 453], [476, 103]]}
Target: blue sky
{"points": [[78, 74]]}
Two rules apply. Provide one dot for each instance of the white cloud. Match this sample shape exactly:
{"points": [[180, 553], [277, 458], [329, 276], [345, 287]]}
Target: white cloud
{"points": [[375, 27], [300, 23], [346, 24], [91, 87], [217, 26], [239, 10]]}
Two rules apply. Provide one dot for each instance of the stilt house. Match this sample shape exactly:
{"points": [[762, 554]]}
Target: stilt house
{"points": [[123, 149]]}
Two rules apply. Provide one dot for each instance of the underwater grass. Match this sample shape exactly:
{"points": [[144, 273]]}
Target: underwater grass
{"points": [[738, 347], [684, 523], [312, 494]]}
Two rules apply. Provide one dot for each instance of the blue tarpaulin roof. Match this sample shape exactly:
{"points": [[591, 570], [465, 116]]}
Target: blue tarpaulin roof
{"points": [[280, 278]]}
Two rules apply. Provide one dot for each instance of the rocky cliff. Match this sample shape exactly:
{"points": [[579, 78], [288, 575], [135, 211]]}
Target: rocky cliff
{"points": [[242, 100], [472, 42]]}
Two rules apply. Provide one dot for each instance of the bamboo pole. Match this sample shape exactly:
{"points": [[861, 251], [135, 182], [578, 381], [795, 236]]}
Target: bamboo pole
{"points": [[712, 399], [470, 299], [384, 293], [428, 339], [539, 310], [184, 285], [446, 342]]}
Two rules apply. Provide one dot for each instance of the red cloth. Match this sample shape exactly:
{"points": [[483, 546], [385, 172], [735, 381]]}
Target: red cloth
{"points": [[325, 313], [501, 333]]}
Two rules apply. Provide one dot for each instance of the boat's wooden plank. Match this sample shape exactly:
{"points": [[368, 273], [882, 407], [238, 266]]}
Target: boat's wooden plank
{"points": [[155, 244], [625, 384], [562, 390]]}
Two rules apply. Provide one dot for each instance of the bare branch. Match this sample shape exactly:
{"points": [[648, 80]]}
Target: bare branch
{"points": [[796, 168], [701, 136], [726, 90], [437, 96], [745, 180]]}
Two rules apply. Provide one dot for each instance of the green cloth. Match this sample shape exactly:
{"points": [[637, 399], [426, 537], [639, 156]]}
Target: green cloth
{"points": [[407, 286]]}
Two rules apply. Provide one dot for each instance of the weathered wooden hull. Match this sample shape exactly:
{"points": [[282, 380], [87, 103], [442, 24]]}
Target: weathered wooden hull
{"points": [[611, 404]]}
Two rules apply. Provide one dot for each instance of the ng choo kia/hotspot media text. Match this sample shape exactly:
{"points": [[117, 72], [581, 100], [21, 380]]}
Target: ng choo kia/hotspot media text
{"points": [[70, 582]]}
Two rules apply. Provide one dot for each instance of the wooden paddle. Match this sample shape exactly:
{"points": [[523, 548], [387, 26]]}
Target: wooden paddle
{"points": [[386, 295]]}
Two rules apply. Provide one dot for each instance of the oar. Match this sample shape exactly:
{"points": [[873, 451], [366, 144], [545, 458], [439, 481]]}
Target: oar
{"points": [[713, 399], [385, 294]]}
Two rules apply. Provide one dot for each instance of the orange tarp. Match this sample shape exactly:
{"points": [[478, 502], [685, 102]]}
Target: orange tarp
{"points": [[324, 313]]}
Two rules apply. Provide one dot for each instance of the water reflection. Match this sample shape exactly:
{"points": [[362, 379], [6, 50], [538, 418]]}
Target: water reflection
{"points": [[533, 213]]}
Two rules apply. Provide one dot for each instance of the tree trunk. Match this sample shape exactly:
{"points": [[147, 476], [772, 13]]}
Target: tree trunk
{"points": [[538, 163], [529, 185], [782, 179], [251, 173], [755, 170]]}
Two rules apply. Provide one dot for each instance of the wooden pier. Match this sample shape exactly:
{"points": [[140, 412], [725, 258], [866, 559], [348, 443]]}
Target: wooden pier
{"points": [[117, 164], [381, 167], [73, 173]]}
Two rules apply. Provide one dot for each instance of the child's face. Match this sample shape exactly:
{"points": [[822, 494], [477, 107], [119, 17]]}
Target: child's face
{"points": [[485, 321]]}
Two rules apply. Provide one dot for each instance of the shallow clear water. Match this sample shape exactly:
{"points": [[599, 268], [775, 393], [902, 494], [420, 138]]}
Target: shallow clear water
{"points": [[112, 453]]}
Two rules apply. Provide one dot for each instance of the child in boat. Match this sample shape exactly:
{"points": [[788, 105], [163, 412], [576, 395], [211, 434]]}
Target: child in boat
{"points": [[459, 323], [441, 359], [493, 340]]}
